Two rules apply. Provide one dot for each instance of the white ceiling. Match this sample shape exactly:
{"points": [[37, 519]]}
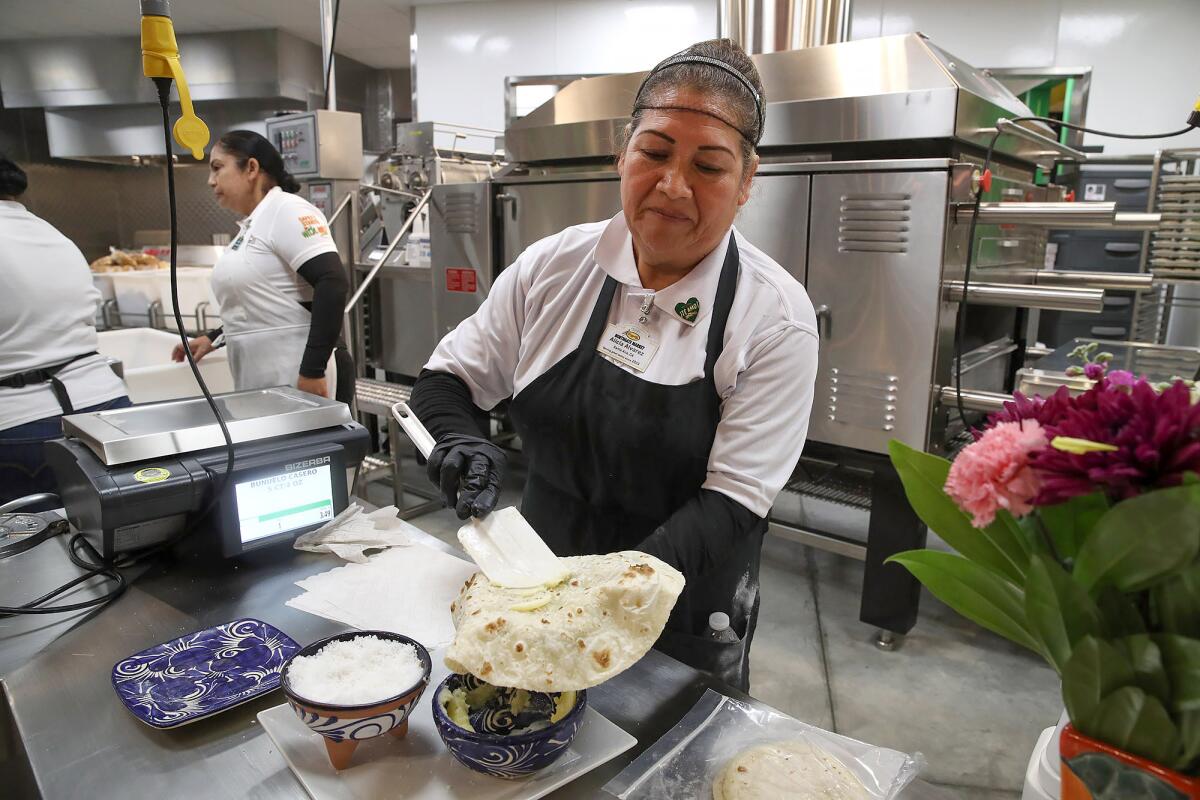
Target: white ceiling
{"points": [[374, 32]]}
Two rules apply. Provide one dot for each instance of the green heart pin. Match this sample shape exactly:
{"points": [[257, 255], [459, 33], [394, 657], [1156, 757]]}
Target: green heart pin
{"points": [[689, 310]]}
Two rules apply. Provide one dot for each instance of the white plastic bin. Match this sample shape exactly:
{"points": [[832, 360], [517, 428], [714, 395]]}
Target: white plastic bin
{"points": [[151, 375], [194, 289], [103, 283], [135, 291]]}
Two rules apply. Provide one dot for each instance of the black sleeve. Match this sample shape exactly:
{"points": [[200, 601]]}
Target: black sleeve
{"points": [[701, 533], [214, 333], [443, 404], [330, 286]]}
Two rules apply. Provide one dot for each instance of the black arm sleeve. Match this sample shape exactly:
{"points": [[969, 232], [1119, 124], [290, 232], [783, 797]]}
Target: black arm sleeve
{"points": [[330, 286], [701, 533], [443, 403]]}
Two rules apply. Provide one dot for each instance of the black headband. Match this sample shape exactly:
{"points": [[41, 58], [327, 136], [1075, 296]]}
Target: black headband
{"points": [[712, 62]]}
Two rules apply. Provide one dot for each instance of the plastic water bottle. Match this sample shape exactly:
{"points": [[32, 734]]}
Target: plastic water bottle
{"points": [[719, 630]]}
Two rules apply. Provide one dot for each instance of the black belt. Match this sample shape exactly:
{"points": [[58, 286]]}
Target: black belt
{"points": [[47, 375]]}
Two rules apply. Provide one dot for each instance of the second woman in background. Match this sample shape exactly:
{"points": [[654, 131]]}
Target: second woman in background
{"points": [[280, 285]]}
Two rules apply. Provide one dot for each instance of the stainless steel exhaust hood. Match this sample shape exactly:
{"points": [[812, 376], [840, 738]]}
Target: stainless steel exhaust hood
{"points": [[98, 105]]}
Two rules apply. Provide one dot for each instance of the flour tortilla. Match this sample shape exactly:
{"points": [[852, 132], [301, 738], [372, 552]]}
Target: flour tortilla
{"points": [[595, 624], [796, 770]]}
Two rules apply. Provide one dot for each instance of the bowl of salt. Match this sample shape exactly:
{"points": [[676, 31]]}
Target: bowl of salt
{"points": [[355, 686]]}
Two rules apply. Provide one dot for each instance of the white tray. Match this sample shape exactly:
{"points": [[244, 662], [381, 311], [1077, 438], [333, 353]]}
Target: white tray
{"points": [[420, 766]]}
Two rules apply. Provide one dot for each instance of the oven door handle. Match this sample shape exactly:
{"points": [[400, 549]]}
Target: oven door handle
{"points": [[824, 321]]}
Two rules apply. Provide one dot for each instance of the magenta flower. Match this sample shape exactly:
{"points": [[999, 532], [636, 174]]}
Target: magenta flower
{"points": [[1093, 371], [994, 472], [1121, 377], [1157, 437]]}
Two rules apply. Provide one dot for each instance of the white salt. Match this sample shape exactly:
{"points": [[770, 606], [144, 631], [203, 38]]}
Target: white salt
{"points": [[351, 672]]}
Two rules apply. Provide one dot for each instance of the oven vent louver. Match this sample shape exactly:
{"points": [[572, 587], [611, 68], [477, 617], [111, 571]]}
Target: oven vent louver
{"points": [[874, 222], [862, 399], [461, 212]]}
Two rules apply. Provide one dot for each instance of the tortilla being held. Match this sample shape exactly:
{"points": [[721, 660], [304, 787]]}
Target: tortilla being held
{"points": [[593, 625]]}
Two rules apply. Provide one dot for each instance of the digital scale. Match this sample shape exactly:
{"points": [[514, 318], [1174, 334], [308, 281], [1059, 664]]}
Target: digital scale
{"points": [[134, 477]]}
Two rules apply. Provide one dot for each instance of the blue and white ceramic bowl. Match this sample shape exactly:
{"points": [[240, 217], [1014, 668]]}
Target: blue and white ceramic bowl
{"points": [[344, 726], [504, 756]]}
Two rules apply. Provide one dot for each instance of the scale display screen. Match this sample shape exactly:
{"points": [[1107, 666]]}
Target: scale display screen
{"points": [[284, 502]]}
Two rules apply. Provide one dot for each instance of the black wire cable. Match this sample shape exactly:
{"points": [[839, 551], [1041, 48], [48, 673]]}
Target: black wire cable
{"points": [[960, 322], [337, 7], [164, 100]]}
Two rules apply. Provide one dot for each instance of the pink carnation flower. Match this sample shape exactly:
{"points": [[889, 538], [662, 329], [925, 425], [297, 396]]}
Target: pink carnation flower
{"points": [[994, 472]]}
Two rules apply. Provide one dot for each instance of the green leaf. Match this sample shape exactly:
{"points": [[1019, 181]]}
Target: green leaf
{"points": [[1121, 615], [1058, 610], [1175, 603], [1070, 523], [1136, 723], [977, 593], [1148, 669], [1181, 659], [923, 476], [1012, 541], [1189, 735], [1142, 540], [1095, 670]]}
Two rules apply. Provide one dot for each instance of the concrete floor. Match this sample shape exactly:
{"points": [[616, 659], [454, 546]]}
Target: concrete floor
{"points": [[971, 703]]}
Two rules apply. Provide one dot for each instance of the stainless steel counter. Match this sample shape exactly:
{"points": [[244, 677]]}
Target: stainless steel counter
{"points": [[63, 733]]}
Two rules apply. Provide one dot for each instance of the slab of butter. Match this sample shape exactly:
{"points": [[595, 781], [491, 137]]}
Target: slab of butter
{"points": [[510, 552]]}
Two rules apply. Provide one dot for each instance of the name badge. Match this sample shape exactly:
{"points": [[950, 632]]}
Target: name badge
{"points": [[630, 345]]}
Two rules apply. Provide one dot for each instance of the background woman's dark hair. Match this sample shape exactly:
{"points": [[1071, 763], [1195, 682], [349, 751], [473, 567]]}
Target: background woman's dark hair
{"points": [[13, 181], [245, 145], [705, 78]]}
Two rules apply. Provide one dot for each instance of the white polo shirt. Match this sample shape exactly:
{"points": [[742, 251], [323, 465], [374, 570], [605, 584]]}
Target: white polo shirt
{"points": [[538, 308], [47, 317], [256, 283]]}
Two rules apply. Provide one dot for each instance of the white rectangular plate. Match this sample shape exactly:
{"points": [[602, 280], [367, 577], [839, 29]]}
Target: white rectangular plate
{"points": [[420, 766]]}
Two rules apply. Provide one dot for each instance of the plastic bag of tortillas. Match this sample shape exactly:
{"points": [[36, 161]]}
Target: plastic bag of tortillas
{"points": [[725, 749]]}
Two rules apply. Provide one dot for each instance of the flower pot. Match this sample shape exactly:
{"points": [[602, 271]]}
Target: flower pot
{"points": [[1093, 770]]}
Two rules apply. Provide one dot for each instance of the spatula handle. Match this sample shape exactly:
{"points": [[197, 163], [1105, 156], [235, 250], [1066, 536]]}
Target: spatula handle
{"points": [[412, 426]]}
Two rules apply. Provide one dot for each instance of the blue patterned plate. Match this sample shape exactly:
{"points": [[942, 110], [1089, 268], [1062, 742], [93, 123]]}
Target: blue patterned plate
{"points": [[202, 673]]}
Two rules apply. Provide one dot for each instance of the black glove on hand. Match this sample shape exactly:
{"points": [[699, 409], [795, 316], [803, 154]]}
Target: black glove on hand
{"points": [[469, 471]]}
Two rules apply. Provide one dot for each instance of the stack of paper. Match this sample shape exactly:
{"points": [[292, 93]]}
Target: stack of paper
{"points": [[404, 590]]}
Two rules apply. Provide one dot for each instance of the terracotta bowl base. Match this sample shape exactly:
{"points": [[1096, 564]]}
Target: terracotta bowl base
{"points": [[341, 753]]}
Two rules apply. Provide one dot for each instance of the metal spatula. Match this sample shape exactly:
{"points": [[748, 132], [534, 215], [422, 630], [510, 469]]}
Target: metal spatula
{"points": [[504, 544]]}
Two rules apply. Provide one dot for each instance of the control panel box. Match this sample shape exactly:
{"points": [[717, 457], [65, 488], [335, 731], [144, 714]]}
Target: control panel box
{"points": [[319, 144]]}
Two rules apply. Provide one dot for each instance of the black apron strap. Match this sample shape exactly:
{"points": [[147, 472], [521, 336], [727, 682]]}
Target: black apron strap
{"points": [[60, 394], [722, 303], [47, 375], [595, 326]]}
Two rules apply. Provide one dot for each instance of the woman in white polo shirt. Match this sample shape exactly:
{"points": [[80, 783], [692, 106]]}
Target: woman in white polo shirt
{"points": [[280, 284], [48, 360], [660, 366]]}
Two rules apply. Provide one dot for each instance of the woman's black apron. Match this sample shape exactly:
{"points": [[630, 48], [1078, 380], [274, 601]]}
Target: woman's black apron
{"points": [[612, 456]]}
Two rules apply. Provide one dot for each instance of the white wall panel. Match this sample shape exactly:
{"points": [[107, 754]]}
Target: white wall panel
{"points": [[465, 50], [1145, 67], [1015, 33]]}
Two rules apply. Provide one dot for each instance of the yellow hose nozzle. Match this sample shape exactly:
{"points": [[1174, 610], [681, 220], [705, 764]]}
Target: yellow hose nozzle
{"points": [[160, 59]]}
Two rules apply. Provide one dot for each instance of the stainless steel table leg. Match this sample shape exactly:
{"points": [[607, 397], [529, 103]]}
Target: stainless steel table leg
{"points": [[394, 439], [888, 641]]}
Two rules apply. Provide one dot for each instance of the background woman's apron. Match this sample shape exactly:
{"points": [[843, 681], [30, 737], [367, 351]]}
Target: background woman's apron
{"points": [[612, 456]]}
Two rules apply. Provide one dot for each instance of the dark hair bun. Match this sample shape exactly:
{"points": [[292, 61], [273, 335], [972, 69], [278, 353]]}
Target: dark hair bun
{"points": [[288, 182], [13, 181]]}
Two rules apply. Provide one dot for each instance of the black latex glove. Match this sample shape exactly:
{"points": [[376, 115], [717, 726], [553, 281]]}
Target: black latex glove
{"points": [[469, 471]]}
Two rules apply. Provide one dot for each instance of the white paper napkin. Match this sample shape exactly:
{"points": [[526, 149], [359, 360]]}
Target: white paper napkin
{"points": [[351, 533], [404, 590]]}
